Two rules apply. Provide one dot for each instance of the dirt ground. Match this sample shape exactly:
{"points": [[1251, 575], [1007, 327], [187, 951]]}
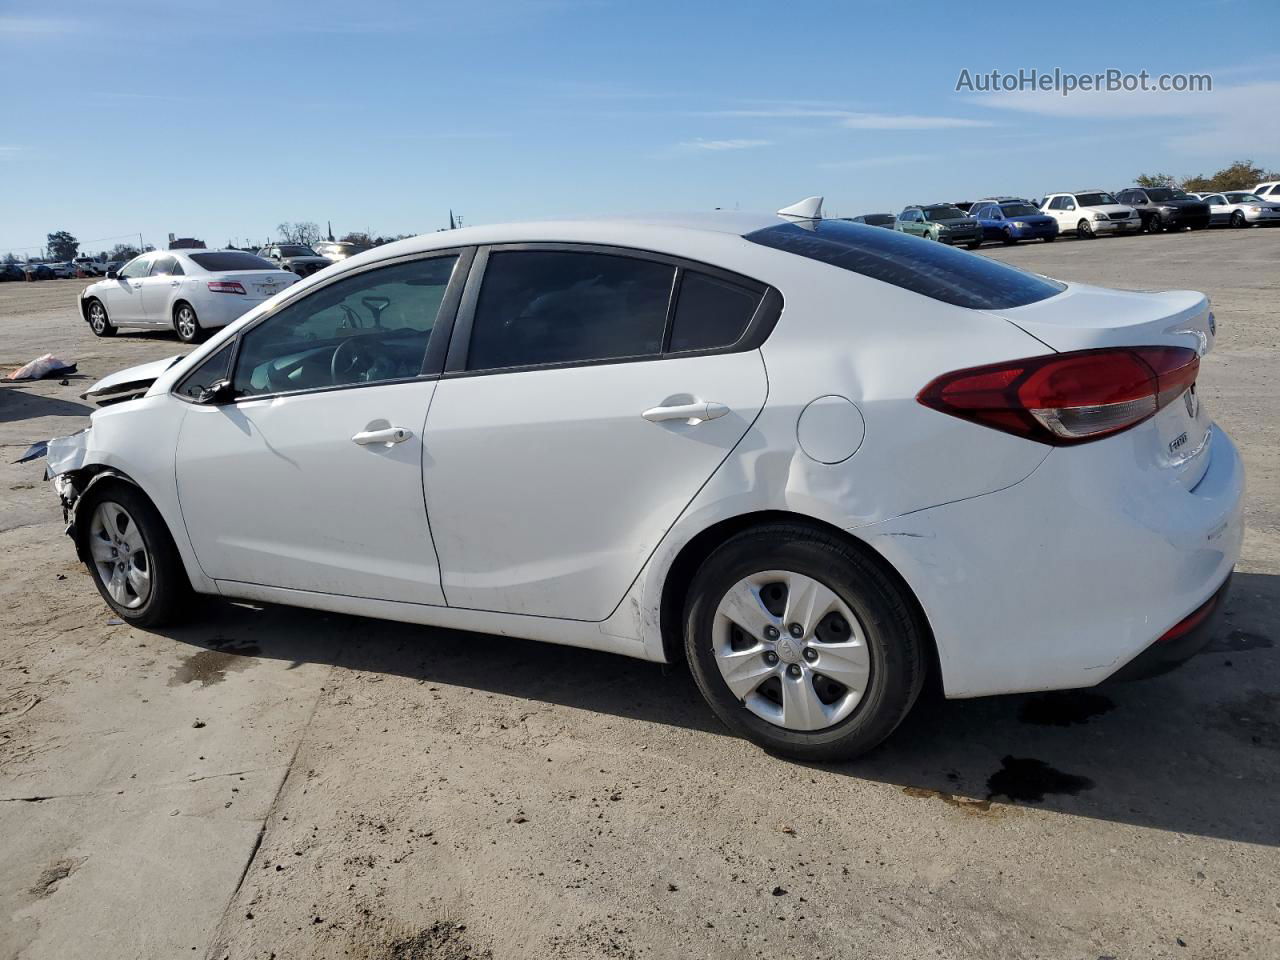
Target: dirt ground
{"points": [[270, 782]]}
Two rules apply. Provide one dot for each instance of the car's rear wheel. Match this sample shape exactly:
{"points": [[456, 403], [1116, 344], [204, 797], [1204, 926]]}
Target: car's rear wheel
{"points": [[186, 323], [1237, 219], [1084, 229], [802, 644], [99, 322], [131, 556]]}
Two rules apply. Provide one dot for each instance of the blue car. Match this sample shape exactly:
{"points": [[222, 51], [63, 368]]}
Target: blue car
{"points": [[1009, 220]]}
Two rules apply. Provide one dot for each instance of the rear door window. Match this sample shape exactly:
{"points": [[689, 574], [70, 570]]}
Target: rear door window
{"points": [[539, 307], [710, 312], [933, 270]]}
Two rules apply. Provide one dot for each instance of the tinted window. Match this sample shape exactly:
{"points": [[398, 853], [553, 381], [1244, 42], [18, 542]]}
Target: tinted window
{"points": [[208, 373], [137, 267], [541, 307], [932, 269], [710, 312], [1018, 210], [365, 328], [225, 260]]}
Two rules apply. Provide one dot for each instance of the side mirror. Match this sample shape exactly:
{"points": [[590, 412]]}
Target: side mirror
{"points": [[112, 274], [220, 391]]}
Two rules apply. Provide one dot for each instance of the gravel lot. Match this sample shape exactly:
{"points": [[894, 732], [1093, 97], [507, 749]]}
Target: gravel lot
{"points": [[281, 783]]}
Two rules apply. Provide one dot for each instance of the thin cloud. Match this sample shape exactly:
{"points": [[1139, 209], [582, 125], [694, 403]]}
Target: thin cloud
{"points": [[908, 121], [891, 160], [1223, 120], [731, 144], [41, 25]]}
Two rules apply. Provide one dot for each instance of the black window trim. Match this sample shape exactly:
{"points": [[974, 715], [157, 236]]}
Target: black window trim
{"points": [[437, 344], [768, 309]]}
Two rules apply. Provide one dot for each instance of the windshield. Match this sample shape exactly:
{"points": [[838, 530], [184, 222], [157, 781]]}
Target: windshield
{"points": [[1018, 210], [1094, 199], [944, 213], [1166, 193], [933, 270], [296, 250]]}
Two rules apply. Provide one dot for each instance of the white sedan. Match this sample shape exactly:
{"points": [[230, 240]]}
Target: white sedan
{"points": [[814, 460], [188, 291], [1240, 209]]}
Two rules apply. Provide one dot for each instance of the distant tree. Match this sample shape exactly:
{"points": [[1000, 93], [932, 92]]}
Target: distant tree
{"points": [[10, 258], [1240, 175], [1155, 180], [63, 246], [358, 237], [304, 231], [122, 252]]}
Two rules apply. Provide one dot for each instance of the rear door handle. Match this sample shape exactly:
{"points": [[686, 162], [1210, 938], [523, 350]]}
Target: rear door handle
{"points": [[690, 412], [387, 435]]}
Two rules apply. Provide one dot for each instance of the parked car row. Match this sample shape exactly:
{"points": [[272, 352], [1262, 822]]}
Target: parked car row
{"points": [[1084, 213]]}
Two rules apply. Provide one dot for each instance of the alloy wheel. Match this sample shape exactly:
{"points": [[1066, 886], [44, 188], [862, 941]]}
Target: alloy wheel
{"points": [[186, 323], [791, 650], [120, 556], [97, 317]]}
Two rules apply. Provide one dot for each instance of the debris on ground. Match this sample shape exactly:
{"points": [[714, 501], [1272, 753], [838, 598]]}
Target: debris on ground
{"points": [[44, 366], [34, 452]]}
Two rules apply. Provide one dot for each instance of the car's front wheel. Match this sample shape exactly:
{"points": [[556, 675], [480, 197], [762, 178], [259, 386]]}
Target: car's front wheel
{"points": [[187, 324], [1008, 239], [802, 644], [130, 555], [1155, 224], [1084, 229], [1237, 219], [99, 322]]}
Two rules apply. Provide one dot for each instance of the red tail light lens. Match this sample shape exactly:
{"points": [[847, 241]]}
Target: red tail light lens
{"points": [[1066, 398], [226, 286]]}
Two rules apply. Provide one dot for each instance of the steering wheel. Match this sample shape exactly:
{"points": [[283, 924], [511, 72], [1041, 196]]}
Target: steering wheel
{"points": [[355, 355]]}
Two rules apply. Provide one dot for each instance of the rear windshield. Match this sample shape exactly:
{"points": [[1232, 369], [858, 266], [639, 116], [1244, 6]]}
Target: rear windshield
{"points": [[226, 260], [932, 269]]}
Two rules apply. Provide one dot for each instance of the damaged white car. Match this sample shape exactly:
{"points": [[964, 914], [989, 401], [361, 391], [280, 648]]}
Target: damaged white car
{"points": [[813, 459]]}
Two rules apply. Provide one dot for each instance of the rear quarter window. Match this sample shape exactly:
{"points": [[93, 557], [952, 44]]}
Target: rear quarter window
{"points": [[933, 270]]}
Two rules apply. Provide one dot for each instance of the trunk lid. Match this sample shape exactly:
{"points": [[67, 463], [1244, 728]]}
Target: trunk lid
{"points": [[1176, 440], [258, 284]]}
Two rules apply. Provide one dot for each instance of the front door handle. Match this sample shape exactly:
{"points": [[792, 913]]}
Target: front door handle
{"points": [[689, 412], [387, 435]]}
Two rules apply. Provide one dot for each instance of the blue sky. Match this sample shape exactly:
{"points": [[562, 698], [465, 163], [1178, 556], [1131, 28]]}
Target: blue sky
{"points": [[222, 119]]}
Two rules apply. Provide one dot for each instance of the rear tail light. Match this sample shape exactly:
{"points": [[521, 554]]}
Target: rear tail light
{"points": [[226, 286], [1192, 620], [1066, 398]]}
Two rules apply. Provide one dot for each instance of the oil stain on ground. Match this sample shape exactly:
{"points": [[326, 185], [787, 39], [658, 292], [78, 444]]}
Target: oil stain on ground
{"points": [[1026, 780], [1237, 641], [210, 666], [1063, 708], [967, 804], [1253, 719]]}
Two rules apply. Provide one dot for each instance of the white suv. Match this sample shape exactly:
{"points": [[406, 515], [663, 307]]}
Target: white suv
{"points": [[1268, 191], [1087, 213]]}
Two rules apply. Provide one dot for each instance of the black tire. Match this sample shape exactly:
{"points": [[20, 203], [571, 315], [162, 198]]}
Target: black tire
{"points": [[1155, 223], [973, 244], [1008, 239], [895, 638], [186, 323], [1238, 220], [1084, 230], [1050, 239], [99, 322], [170, 593]]}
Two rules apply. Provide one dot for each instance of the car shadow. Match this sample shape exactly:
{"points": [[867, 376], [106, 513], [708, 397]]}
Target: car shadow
{"points": [[19, 404], [1195, 751]]}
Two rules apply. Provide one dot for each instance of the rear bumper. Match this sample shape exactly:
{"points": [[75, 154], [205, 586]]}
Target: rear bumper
{"points": [[1180, 643], [1063, 579]]}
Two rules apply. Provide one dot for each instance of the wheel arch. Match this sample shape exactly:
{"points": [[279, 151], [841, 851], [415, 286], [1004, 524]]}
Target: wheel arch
{"points": [[84, 306], [679, 575]]}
